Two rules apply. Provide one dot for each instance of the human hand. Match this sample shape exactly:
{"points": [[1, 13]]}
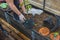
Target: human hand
{"points": [[22, 18]]}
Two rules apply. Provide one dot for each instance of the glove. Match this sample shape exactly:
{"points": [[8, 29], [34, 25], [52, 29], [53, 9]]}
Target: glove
{"points": [[22, 18]]}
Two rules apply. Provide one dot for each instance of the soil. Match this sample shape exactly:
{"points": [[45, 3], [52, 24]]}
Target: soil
{"points": [[38, 19]]}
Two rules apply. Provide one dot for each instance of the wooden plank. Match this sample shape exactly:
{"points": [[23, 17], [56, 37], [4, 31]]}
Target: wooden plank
{"points": [[13, 29], [4, 36], [39, 5], [13, 34]]}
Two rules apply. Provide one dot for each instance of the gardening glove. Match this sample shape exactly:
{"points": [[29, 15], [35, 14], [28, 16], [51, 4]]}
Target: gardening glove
{"points": [[22, 18]]}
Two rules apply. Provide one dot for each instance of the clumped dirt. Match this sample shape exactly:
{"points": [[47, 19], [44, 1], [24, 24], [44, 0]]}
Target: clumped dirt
{"points": [[39, 20]]}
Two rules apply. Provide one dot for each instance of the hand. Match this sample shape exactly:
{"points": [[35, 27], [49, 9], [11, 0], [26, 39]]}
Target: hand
{"points": [[22, 18], [25, 12]]}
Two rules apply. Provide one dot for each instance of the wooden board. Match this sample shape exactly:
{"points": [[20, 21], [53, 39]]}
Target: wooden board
{"points": [[9, 28], [52, 6], [13, 34]]}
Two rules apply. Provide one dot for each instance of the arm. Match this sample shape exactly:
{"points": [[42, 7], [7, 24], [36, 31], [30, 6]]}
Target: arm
{"points": [[23, 7], [13, 7]]}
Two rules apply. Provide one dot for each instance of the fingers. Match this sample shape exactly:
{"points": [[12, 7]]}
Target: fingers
{"points": [[22, 18]]}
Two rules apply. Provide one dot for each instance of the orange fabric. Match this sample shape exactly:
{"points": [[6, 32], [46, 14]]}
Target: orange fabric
{"points": [[44, 31], [58, 37], [52, 37]]}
